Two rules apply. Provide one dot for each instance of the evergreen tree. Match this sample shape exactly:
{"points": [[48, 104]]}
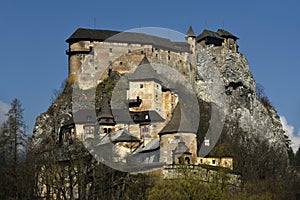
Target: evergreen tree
{"points": [[13, 144]]}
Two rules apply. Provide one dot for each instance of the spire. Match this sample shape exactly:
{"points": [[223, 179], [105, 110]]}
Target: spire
{"points": [[190, 32], [105, 117]]}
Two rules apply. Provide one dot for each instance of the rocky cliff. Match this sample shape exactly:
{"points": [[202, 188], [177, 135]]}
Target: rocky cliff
{"points": [[232, 114]]}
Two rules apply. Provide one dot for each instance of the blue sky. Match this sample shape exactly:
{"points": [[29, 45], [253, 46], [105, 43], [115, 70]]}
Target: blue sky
{"points": [[33, 35]]}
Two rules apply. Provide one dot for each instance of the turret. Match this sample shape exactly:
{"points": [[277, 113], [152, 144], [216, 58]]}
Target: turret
{"points": [[191, 39]]}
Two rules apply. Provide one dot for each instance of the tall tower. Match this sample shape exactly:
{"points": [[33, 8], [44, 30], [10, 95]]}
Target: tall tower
{"points": [[191, 39], [145, 89], [105, 118]]}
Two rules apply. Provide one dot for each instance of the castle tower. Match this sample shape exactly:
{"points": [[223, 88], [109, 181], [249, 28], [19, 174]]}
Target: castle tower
{"points": [[178, 140], [229, 40], [105, 118], [145, 89], [191, 39]]}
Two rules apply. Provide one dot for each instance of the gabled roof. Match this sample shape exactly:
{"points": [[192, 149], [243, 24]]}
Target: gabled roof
{"points": [[226, 34], [153, 145], [119, 136], [123, 136], [190, 32], [207, 33], [178, 123]]}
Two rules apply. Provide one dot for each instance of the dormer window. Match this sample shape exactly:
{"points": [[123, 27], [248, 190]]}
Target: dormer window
{"points": [[89, 118]]}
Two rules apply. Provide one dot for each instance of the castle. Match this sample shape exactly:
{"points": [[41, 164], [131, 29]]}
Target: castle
{"points": [[147, 130]]}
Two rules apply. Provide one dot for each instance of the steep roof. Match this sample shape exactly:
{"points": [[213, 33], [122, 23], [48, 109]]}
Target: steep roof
{"points": [[190, 32], [207, 33], [178, 123], [105, 116], [226, 34], [144, 72]]}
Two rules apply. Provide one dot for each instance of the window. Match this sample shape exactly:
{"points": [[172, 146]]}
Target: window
{"points": [[141, 85], [201, 161], [156, 55], [110, 50], [213, 162], [121, 63], [129, 50], [169, 57], [110, 62], [146, 116], [89, 130], [145, 129], [105, 130], [142, 52]]}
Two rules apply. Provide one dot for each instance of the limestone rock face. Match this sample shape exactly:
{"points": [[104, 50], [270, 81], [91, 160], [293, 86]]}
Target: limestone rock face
{"points": [[224, 79]]}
